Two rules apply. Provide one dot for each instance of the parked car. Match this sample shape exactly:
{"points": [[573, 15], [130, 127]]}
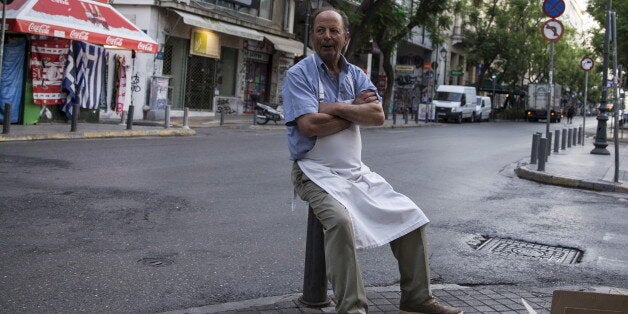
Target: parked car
{"points": [[483, 109]]}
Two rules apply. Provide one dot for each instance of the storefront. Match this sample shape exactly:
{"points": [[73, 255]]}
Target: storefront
{"points": [[67, 48], [236, 64]]}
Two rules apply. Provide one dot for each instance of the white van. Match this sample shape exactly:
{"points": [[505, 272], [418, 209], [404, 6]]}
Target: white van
{"points": [[455, 102], [483, 109]]}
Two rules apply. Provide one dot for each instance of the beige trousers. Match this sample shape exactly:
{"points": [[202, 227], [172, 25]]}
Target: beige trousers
{"points": [[340, 253]]}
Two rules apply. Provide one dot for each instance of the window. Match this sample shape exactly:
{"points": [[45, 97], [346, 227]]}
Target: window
{"points": [[260, 8]]}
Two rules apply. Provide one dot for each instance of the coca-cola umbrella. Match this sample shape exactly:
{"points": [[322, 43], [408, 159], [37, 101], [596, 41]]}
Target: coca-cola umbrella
{"points": [[93, 21]]}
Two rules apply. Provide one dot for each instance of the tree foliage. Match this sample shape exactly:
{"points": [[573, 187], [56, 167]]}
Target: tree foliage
{"points": [[388, 22], [597, 9]]}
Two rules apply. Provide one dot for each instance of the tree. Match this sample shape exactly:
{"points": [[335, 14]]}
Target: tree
{"points": [[597, 9], [387, 23], [511, 30]]}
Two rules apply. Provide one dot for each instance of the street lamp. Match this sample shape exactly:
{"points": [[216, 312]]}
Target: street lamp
{"points": [[443, 55], [309, 6]]}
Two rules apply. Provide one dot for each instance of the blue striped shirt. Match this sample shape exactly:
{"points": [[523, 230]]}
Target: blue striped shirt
{"points": [[300, 95]]}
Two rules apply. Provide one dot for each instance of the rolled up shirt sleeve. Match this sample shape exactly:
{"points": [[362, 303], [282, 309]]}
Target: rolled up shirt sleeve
{"points": [[299, 96]]}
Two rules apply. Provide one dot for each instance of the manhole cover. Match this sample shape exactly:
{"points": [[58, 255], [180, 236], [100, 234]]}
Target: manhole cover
{"points": [[502, 246], [155, 261]]}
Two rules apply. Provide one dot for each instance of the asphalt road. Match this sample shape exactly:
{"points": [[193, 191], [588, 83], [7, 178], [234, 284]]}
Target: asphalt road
{"points": [[156, 224]]}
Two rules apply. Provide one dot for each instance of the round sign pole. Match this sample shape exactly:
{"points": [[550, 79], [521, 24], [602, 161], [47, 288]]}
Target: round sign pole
{"points": [[586, 64]]}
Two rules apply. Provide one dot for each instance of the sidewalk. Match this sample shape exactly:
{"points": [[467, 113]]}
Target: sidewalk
{"points": [[576, 167], [477, 299], [111, 129]]}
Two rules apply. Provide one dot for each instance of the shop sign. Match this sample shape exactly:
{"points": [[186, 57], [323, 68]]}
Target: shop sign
{"points": [[256, 56], [205, 43]]}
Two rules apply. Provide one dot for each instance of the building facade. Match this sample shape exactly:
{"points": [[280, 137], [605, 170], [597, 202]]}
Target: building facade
{"points": [[214, 55]]}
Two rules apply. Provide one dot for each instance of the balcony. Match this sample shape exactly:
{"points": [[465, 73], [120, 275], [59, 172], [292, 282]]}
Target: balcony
{"points": [[457, 36]]}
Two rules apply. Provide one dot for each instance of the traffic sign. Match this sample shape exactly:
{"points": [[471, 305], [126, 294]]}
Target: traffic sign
{"points": [[587, 64], [553, 8], [552, 30]]}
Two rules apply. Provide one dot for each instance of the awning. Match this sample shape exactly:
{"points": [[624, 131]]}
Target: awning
{"points": [[226, 28], [285, 44], [92, 21]]}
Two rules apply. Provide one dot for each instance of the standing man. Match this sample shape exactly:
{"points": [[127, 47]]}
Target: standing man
{"points": [[325, 100]]}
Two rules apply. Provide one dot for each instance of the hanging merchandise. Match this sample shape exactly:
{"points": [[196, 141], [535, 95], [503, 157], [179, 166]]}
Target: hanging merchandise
{"points": [[119, 84], [47, 61], [84, 76], [13, 77]]}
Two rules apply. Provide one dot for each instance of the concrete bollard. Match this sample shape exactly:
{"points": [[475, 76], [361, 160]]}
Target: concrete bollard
{"points": [[129, 118], [6, 122], [556, 140], [123, 117], [569, 135], [563, 140], [542, 154], [535, 148], [167, 117], [186, 118], [314, 274]]}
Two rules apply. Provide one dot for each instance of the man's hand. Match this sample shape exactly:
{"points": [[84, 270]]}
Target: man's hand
{"points": [[364, 97]]}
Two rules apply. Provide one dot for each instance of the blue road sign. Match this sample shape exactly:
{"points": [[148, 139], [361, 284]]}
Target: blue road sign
{"points": [[553, 8]]}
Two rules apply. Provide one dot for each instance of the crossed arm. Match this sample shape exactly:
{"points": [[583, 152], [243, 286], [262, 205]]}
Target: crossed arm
{"points": [[333, 117]]}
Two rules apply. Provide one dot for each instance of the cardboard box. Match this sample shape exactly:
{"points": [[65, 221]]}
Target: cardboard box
{"points": [[580, 302]]}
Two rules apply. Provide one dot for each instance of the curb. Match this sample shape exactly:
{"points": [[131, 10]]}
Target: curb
{"points": [[541, 177], [97, 134]]}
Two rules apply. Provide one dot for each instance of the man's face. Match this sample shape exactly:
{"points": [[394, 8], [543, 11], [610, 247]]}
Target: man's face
{"points": [[329, 36]]}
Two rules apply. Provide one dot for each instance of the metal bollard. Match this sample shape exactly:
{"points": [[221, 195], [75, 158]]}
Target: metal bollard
{"points": [[579, 135], [129, 118], [186, 118], [6, 122], [556, 140], [222, 117], [548, 150], [394, 114], [535, 148], [416, 115], [255, 116], [314, 275], [569, 135], [75, 116], [574, 140], [167, 117], [542, 154], [563, 142], [405, 117]]}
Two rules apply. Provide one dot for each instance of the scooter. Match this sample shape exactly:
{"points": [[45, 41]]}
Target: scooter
{"points": [[265, 113]]}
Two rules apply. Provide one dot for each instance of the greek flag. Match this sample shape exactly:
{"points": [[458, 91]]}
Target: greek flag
{"points": [[84, 77]]}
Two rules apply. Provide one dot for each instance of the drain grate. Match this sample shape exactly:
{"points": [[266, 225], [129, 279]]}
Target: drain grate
{"points": [[502, 246], [155, 261]]}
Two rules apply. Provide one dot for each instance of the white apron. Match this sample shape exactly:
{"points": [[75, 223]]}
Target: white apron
{"points": [[378, 213]]}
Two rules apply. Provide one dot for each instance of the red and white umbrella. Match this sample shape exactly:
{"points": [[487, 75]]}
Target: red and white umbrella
{"points": [[93, 21]]}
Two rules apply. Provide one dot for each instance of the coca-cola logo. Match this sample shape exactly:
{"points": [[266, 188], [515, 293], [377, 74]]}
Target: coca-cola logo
{"points": [[114, 41], [82, 35], [145, 46], [39, 28]]}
